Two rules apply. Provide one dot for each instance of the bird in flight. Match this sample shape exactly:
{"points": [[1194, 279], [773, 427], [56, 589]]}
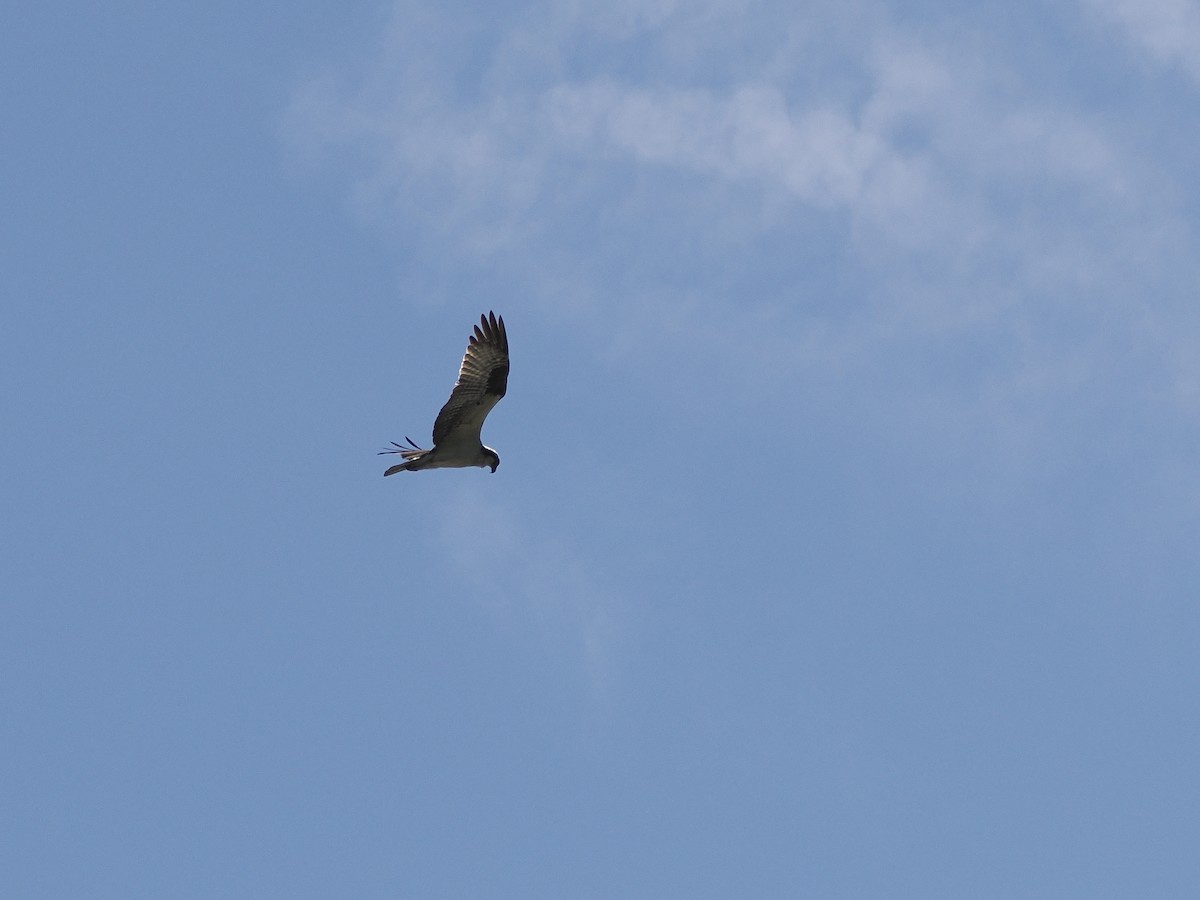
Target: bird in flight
{"points": [[482, 379]]}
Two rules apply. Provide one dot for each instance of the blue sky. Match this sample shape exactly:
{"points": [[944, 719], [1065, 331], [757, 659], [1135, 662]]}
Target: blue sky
{"points": [[843, 543]]}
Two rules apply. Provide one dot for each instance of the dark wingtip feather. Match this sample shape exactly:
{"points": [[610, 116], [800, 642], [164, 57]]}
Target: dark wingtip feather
{"points": [[491, 328]]}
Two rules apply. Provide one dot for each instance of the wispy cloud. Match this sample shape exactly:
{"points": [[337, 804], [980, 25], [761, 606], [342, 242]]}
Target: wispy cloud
{"points": [[508, 157], [533, 578], [1169, 30], [819, 155], [849, 199]]}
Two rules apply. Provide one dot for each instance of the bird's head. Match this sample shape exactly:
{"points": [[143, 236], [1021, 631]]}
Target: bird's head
{"points": [[491, 458]]}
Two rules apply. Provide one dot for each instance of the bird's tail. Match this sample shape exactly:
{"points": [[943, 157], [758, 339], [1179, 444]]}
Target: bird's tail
{"points": [[414, 457]]}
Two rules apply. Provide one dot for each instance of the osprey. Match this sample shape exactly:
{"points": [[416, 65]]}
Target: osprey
{"points": [[482, 379]]}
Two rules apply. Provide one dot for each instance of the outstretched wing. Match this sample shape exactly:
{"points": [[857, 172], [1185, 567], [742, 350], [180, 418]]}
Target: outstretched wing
{"points": [[482, 380]]}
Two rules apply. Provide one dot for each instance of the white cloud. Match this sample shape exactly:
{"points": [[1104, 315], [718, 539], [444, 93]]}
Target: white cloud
{"points": [[490, 165], [532, 578], [819, 155], [651, 171], [1169, 30]]}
